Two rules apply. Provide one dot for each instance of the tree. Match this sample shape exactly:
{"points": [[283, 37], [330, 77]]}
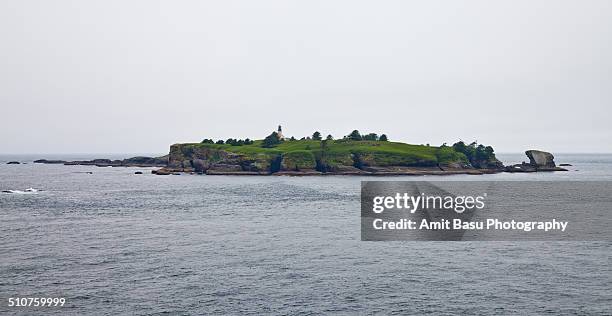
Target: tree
{"points": [[371, 136], [484, 152], [271, 140], [207, 141], [329, 137], [248, 142], [316, 136], [220, 142], [461, 147], [383, 138], [354, 135], [475, 152], [292, 138]]}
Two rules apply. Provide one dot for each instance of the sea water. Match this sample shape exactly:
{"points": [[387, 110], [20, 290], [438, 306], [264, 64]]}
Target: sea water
{"points": [[111, 242]]}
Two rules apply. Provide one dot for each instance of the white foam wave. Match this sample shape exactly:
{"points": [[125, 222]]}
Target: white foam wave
{"points": [[26, 191]]}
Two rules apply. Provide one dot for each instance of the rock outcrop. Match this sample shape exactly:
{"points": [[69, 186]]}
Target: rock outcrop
{"points": [[162, 172], [141, 161], [523, 167], [129, 162], [199, 159], [542, 161], [50, 162], [538, 161], [492, 164]]}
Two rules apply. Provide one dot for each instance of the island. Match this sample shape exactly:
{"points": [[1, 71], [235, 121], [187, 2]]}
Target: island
{"points": [[353, 154]]}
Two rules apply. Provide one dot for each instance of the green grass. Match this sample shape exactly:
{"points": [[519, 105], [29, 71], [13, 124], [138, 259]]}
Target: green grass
{"points": [[303, 153], [299, 159]]}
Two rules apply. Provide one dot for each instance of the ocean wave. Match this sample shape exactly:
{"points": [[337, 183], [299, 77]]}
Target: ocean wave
{"points": [[26, 191]]}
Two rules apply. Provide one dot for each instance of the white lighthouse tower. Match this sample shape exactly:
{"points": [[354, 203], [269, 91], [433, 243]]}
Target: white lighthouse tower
{"points": [[280, 133]]}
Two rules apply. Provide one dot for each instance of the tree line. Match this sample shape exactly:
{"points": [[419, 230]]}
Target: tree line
{"points": [[474, 152], [229, 141], [274, 139]]}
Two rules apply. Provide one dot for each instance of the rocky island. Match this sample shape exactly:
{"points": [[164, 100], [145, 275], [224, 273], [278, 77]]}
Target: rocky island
{"points": [[354, 154], [538, 161], [129, 162]]}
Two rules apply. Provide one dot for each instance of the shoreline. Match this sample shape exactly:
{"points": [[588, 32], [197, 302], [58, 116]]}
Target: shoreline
{"points": [[412, 171], [539, 162]]}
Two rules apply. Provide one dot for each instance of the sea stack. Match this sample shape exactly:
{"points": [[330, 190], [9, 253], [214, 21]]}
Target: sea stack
{"points": [[538, 161]]}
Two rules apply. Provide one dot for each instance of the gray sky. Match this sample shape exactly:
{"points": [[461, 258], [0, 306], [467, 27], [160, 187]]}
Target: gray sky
{"points": [[137, 76]]}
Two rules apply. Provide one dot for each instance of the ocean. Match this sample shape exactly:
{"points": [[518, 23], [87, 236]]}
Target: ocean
{"points": [[115, 243]]}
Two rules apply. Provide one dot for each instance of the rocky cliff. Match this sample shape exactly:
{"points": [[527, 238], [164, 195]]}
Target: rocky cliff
{"points": [[211, 160], [314, 157]]}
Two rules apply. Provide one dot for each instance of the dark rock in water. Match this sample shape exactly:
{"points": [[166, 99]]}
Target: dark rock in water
{"points": [[102, 161], [145, 161], [129, 162], [543, 161], [138, 172], [13, 163], [538, 161], [565, 165], [524, 167], [162, 172], [45, 161]]}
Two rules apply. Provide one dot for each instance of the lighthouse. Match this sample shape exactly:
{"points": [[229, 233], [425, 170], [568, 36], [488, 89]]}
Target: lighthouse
{"points": [[280, 133]]}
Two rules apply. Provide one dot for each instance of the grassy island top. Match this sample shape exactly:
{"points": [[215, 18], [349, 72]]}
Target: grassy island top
{"points": [[352, 150], [345, 147]]}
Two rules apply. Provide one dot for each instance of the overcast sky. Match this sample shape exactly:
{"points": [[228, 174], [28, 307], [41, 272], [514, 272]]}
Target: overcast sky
{"points": [[137, 76]]}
